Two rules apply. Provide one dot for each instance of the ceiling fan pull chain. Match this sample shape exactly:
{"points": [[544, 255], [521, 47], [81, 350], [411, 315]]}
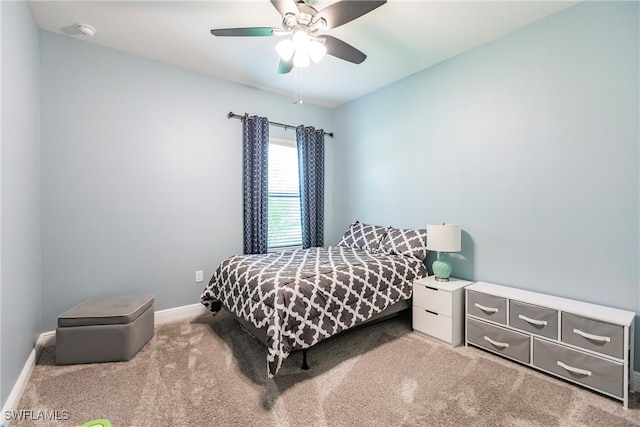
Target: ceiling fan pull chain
{"points": [[297, 77]]}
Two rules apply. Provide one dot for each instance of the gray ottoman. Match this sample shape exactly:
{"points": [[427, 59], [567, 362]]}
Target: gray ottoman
{"points": [[104, 329]]}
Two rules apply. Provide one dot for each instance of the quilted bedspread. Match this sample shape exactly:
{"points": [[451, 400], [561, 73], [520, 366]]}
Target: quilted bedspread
{"points": [[304, 296]]}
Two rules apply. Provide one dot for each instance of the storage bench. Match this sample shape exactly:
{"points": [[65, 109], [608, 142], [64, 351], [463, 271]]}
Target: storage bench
{"points": [[104, 329]]}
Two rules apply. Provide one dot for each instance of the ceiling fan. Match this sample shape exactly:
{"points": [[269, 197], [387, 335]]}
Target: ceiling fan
{"points": [[304, 23]]}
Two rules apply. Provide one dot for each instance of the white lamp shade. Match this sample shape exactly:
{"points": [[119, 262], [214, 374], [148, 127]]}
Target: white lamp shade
{"points": [[316, 50], [285, 49], [301, 39], [443, 237], [301, 58]]}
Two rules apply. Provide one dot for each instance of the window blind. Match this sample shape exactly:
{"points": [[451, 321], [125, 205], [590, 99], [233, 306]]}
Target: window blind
{"points": [[284, 224]]}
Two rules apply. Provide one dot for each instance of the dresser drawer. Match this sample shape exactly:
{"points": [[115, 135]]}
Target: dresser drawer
{"points": [[502, 341], [535, 319], [605, 338], [583, 368], [436, 325], [487, 307], [433, 299]]}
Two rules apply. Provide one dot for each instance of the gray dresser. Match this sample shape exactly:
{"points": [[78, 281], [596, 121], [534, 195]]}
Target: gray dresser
{"points": [[588, 344]]}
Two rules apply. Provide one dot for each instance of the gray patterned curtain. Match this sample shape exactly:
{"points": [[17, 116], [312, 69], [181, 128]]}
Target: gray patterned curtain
{"points": [[311, 169], [255, 141]]}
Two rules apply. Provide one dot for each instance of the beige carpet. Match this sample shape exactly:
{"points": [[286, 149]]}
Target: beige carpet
{"points": [[208, 372]]}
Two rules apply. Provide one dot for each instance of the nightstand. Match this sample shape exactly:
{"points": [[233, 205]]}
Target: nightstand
{"points": [[438, 309]]}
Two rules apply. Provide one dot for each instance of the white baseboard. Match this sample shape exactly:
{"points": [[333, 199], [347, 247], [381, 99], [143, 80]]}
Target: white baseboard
{"points": [[179, 313], [636, 381], [48, 338], [23, 379]]}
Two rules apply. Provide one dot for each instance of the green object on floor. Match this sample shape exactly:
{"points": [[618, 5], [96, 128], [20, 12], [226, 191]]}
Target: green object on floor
{"points": [[101, 422]]}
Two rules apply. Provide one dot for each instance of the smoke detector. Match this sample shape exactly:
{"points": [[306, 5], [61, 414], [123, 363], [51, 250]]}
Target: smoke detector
{"points": [[86, 30]]}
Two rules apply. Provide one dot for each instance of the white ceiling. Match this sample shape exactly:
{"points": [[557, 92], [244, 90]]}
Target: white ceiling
{"points": [[400, 38]]}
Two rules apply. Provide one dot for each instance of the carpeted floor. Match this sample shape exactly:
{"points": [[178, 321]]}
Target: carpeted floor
{"points": [[208, 372]]}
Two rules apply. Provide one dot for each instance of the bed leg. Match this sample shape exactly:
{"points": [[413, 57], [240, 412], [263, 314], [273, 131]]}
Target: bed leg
{"points": [[304, 359]]}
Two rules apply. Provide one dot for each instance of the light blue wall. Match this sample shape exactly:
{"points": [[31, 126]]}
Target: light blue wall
{"points": [[20, 243], [530, 142], [141, 172]]}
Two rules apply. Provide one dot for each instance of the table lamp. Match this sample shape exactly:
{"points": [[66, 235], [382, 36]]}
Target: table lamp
{"points": [[443, 238]]}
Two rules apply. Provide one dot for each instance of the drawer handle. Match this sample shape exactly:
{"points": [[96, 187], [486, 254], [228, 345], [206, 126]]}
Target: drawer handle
{"points": [[496, 343], [433, 289], [431, 312], [574, 370], [591, 336], [532, 321], [487, 309]]}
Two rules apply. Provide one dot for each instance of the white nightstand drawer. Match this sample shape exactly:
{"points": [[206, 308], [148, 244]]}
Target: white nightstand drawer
{"points": [[433, 299], [435, 325], [438, 308]]}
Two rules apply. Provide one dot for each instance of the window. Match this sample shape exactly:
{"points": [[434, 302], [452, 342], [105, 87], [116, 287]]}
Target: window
{"points": [[284, 226]]}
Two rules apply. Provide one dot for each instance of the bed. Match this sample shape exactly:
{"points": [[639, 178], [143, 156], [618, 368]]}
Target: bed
{"points": [[293, 299]]}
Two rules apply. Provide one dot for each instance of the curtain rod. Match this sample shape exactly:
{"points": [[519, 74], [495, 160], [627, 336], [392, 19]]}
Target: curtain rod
{"points": [[233, 115]]}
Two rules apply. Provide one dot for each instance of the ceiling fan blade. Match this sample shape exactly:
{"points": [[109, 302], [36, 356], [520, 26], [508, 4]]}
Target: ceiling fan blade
{"points": [[245, 32], [285, 6], [285, 66], [342, 50], [346, 11]]}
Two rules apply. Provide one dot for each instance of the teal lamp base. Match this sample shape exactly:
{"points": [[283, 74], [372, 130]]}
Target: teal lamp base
{"points": [[441, 268]]}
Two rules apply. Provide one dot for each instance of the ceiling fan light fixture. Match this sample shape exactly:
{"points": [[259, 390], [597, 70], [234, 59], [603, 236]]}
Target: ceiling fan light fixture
{"points": [[317, 50], [301, 58], [301, 39], [302, 48], [303, 22], [285, 49]]}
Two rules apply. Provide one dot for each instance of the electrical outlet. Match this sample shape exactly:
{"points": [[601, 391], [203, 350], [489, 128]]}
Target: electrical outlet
{"points": [[199, 276]]}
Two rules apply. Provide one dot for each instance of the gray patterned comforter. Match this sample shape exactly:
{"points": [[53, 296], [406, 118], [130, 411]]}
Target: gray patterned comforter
{"points": [[304, 296]]}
